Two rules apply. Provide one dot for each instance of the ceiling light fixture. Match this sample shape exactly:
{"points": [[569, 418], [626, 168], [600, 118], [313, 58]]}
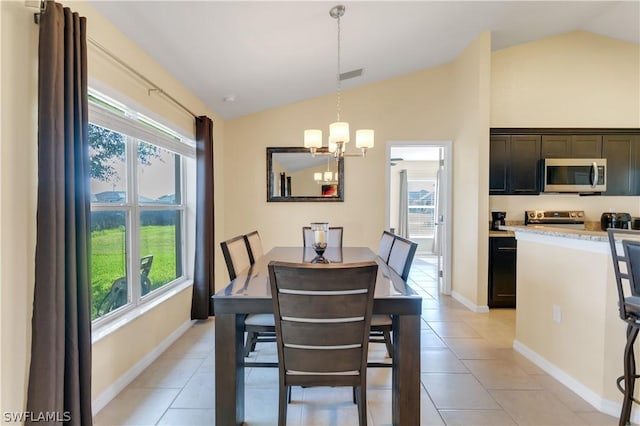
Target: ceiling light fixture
{"points": [[338, 131]]}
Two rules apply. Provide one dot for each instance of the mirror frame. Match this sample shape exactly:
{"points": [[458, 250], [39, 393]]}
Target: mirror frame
{"points": [[302, 150]]}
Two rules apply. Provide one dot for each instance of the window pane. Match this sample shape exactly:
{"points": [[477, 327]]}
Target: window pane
{"points": [[421, 207], [160, 244], [108, 261], [158, 175], [108, 168]]}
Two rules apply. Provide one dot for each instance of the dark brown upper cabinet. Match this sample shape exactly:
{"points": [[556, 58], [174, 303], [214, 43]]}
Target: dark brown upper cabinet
{"points": [[514, 165], [571, 146], [623, 164]]}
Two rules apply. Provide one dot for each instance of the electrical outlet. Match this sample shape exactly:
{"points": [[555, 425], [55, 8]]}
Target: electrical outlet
{"points": [[557, 314]]}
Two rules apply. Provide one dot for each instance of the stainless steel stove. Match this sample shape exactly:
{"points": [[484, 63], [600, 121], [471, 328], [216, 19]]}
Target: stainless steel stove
{"points": [[573, 219]]}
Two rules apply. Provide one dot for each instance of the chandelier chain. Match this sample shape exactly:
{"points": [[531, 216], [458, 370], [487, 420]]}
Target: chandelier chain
{"points": [[338, 74]]}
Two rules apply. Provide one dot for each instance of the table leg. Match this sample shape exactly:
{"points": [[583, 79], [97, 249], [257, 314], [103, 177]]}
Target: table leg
{"points": [[229, 369], [405, 402]]}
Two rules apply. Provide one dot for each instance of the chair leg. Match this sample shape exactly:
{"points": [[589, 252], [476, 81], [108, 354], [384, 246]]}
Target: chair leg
{"points": [[250, 345], [387, 342], [282, 405], [288, 394], [361, 393], [629, 375], [355, 400]]}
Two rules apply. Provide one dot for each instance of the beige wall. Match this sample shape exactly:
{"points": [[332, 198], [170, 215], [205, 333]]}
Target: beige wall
{"points": [[573, 80], [471, 173], [18, 163], [587, 347], [18, 183], [577, 79], [449, 102]]}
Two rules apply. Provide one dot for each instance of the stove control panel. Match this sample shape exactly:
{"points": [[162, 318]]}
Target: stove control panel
{"points": [[553, 216]]}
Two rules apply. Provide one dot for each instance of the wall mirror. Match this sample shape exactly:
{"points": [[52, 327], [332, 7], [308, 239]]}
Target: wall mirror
{"points": [[293, 174]]}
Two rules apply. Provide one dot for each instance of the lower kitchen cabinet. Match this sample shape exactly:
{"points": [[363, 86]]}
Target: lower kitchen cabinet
{"points": [[502, 272]]}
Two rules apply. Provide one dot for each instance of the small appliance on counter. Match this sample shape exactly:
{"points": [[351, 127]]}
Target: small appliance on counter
{"points": [[497, 220], [635, 223], [573, 219], [615, 220]]}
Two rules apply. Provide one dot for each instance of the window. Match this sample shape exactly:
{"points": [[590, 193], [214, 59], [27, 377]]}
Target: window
{"points": [[138, 207], [422, 193]]}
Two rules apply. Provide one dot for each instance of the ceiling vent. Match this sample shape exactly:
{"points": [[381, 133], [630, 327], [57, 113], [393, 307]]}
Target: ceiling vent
{"points": [[350, 74]]}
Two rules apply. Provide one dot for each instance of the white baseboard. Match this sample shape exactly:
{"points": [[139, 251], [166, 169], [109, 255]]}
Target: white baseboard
{"points": [[468, 303], [606, 406], [116, 387]]}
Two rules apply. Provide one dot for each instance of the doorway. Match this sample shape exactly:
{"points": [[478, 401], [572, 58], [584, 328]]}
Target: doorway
{"points": [[418, 202]]}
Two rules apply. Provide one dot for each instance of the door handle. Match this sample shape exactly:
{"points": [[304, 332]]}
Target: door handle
{"points": [[594, 174]]}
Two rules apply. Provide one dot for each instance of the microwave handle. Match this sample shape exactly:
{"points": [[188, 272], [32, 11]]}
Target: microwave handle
{"points": [[594, 173]]}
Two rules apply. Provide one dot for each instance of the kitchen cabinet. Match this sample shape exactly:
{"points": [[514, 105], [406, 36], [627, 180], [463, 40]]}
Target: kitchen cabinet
{"points": [[502, 272], [623, 164], [514, 165], [571, 146]]}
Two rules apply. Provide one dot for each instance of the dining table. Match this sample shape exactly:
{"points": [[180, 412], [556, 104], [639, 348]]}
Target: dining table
{"points": [[250, 293]]}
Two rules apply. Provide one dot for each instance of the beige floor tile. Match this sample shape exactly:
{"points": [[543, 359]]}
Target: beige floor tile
{"points": [[535, 407], [136, 407], [471, 348], [476, 417], [475, 353], [500, 374], [429, 339], [457, 391], [527, 366], [199, 392], [326, 406], [596, 418], [452, 329], [563, 393], [188, 417], [440, 360], [167, 373]]}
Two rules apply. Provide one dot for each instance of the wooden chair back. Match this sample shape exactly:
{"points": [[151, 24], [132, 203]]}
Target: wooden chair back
{"points": [[322, 317], [386, 242], [401, 256], [255, 246], [236, 255]]}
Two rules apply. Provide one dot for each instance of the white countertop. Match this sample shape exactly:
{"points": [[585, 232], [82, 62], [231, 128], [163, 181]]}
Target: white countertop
{"points": [[577, 234]]}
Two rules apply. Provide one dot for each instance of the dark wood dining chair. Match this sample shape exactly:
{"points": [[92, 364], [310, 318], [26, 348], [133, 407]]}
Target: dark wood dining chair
{"points": [[625, 253], [239, 255], [254, 243], [386, 242], [322, 317], [400, 258], [334, 237]]}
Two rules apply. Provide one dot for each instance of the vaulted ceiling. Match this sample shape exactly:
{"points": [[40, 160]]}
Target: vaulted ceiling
{"points": [[266, 54]]}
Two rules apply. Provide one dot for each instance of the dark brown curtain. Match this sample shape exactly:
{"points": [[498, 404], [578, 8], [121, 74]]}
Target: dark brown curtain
{"points": [[203, 285], [60, 371]]}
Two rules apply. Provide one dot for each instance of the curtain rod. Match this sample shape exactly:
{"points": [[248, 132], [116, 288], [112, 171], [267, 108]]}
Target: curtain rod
{"points": [[154, 87], [42, 6]]}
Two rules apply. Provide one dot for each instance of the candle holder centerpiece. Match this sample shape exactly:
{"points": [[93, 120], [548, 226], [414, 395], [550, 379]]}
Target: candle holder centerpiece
{"points": [[320, 233]]}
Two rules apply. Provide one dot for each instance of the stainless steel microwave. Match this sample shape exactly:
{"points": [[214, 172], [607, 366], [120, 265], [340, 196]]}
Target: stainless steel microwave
{"points": [[575, 174]]}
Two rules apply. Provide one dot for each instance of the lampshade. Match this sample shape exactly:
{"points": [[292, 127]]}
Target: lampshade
{"points": [[332, 146], [364, 138], [339, 132], [328, 176], [317, 176], [313, 138]]}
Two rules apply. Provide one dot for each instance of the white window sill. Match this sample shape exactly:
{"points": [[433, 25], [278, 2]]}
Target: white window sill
{"points": [[104, 329]]}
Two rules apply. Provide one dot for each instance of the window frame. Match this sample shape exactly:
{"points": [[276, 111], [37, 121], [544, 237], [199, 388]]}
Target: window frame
{"points": [[137, 128]]}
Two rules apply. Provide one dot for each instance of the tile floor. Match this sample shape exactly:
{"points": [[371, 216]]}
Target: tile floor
{"points": [[469, 372]]}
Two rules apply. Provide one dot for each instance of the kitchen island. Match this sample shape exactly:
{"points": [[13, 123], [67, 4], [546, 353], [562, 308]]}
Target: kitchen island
{"points": [[567, 319]]}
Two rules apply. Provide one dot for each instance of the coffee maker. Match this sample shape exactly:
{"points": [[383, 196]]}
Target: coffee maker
{"points": [[497, 219]]}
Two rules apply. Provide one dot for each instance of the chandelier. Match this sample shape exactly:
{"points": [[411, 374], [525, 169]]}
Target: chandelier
{"points": [[338, 131]]}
